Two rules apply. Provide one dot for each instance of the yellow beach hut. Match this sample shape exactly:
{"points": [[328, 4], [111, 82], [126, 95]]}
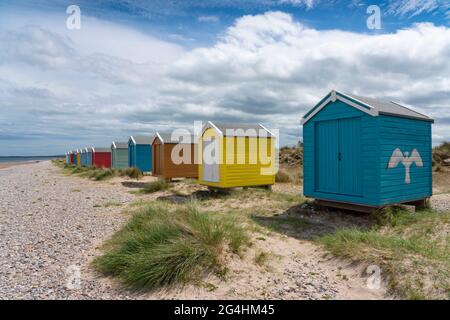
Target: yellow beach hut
{"points": [[78, 154], [236, 155]]}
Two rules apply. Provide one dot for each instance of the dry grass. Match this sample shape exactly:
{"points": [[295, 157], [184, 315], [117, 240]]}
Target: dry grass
{"points": [[98, 174], [412, 249], [292, 175]]}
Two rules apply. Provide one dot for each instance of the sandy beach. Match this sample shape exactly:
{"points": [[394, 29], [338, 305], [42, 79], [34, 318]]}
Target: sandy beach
{"points": [[52, 224], [6, 165]]}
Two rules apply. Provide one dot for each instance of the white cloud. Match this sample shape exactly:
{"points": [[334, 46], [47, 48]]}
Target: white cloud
{"points": [[414, 7], [266, 68], [300, 3]]}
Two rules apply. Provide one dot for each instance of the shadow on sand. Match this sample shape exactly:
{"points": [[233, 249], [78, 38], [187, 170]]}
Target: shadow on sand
{"points": [[306, 221], [200, 195], [134, 184]]}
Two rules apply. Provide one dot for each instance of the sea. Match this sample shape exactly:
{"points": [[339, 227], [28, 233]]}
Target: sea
{"points": [[14, 159]]}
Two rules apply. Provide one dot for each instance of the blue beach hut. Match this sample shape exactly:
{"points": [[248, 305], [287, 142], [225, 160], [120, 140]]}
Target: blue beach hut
{"points": [[140, 153], [361, 153], [83, 157], [89, 156]]}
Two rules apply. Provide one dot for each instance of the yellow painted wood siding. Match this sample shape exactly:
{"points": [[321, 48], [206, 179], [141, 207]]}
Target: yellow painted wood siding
{"points": [[236, 169], [78, 159]]}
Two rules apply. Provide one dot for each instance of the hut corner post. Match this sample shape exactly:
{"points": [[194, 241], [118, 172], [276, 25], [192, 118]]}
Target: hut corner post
{"points": [[421, 204]]}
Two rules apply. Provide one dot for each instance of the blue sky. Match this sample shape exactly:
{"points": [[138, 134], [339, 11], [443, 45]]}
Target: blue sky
{"points": [[139, 66]]}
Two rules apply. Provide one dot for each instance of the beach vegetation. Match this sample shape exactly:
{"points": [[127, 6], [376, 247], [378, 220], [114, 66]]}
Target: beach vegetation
{"points": [[163, 245]]}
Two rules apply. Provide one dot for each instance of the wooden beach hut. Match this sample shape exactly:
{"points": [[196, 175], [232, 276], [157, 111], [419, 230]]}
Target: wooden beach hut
{"points": [[72, 157], [83, 157], [169, 157], [78, 154], [234, 155], [67, 158], [101, 157], [140, 153], [363, 153], [89, 156], [119, 155]]}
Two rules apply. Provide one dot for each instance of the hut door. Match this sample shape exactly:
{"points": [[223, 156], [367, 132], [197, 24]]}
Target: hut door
{"points": [[338, 156], [210, 163], [350, 156], [327, 150]]}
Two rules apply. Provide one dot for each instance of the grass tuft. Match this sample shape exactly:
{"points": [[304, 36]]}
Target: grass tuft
{"points": [[155, 186], [261, 258], [134, 173], [161, 246]]}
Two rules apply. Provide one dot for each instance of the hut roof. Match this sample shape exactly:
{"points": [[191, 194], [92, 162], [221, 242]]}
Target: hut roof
{"points": [[142, 139], [169, 138], [101, 149], [371, 106], [237, 130], [119, 145]]}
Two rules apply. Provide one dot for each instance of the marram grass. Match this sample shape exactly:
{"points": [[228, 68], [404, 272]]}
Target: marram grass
{"points": [[160, 246]]}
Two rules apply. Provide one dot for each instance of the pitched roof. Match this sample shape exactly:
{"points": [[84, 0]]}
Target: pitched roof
{"points": [[119, 145], [95, 149], [236, 130], [169, 138], [142, 139], [371, 106]]}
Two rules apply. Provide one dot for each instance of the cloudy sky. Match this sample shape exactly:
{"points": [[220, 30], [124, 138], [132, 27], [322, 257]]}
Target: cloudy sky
{"points": [[139, 66]]}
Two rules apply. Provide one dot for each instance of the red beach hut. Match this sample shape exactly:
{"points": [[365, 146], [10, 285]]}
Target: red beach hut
{"points": [[101, 157]]}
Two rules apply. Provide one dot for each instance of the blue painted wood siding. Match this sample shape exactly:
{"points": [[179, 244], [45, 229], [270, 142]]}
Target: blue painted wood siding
{"points": [[350, 173], [405, 134], [140, 156], [84, 161], [144, 157], [89, 158], [355, 132], [326, 154]]}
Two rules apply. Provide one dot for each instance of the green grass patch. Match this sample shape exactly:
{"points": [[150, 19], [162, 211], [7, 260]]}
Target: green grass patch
{"points": [[155, 186], [163, 245], [99, 174], [412, 248]]}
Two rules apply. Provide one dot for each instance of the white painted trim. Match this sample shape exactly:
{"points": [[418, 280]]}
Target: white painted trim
{"points": [[132, 139], [114, 145], [271, 133], [208, 125], [157, 135], [93, 149], [344, 98]]}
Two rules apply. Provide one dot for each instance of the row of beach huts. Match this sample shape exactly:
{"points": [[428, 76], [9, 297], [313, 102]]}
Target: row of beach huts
{"points": [[357, 151], [156, 155]]}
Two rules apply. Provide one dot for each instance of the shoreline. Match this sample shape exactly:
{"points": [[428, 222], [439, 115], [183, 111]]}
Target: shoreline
{"points": [[6, 165]]}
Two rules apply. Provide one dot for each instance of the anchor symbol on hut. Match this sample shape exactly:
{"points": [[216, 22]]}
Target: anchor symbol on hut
{"points": [[406, 160]]}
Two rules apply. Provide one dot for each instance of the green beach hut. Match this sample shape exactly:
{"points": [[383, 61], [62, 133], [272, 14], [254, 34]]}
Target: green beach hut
{"points": [[119, 155]]}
